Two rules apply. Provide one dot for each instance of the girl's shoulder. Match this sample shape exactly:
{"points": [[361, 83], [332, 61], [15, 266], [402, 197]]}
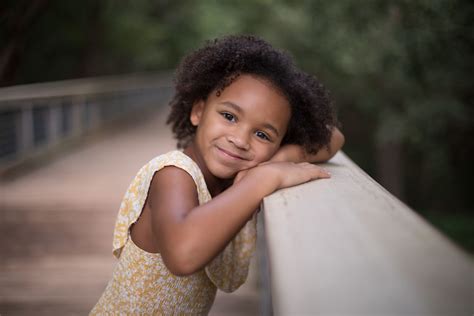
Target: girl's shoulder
{"points": [[178, 159], [137, 192], [172, 157]]}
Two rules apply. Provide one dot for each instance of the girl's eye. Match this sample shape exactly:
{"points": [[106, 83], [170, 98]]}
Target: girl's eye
{"points": [[262, 135], [228, 116]]}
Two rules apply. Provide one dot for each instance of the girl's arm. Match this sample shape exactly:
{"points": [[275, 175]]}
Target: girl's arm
{"points": [[190, 235], [296, 153]]}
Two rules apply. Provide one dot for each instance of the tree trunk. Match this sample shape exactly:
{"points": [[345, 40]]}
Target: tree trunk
{"points": [[389, 167], [17, 22]]}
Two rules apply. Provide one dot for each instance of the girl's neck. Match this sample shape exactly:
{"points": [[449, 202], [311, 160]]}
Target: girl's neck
{"points": [[214, 185]]}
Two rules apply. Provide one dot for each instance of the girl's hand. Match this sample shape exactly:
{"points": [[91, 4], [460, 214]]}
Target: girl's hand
{"points": [[279, 175], [288, 174]]}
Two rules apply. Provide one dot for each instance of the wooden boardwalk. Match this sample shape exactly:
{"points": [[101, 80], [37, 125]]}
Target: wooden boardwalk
{"points": [[56, 224]]}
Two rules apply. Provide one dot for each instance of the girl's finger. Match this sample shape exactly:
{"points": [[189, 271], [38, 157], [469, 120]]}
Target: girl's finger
{"points": [[322, 173]]}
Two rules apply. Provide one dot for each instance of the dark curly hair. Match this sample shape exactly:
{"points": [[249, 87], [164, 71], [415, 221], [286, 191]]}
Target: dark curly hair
{"points": [[220, 62]]}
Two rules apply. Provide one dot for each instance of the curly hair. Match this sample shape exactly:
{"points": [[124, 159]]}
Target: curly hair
{"points": [[216, 65]]}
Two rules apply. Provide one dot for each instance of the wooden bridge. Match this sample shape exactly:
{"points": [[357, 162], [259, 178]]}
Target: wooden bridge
{"points": [[57, 215], [335, 247]]}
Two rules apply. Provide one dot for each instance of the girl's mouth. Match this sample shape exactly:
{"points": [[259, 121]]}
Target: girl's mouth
{"points": [[228, 154]]}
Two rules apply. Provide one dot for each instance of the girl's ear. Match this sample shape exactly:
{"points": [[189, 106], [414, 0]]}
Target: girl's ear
{"points": [[196, 112]]}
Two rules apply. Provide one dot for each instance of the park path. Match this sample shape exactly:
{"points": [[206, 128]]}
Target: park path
{"points": [[56, 223]]}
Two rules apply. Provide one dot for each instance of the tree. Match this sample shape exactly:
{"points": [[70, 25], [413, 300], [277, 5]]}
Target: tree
{"points": [[400, 71]]}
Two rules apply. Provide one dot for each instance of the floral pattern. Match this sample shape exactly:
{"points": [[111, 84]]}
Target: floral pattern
{"points": [[142, 285]]}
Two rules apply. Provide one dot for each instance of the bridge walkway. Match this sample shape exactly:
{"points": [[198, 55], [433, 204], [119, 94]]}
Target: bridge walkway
{"points": [[57, 221]]}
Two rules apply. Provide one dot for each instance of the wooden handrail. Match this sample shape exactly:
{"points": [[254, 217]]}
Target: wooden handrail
{"points": [[346, 246], [35, 118], [82, 87]]}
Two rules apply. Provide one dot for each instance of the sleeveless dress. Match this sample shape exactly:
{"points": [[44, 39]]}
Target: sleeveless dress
{"points": [[142, 285]]}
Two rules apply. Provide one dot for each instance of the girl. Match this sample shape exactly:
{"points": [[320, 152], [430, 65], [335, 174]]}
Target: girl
{"points": [[246, 120]]}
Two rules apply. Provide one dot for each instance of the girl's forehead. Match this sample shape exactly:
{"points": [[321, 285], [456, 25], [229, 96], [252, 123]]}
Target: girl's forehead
{"points": [[257, 99], [252, 89]]}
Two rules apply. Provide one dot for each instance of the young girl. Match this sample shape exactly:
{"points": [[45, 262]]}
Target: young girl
{"points": [[246, 120]]}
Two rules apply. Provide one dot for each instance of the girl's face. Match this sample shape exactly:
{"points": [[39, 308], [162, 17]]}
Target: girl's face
{"points": [[239, 129]]}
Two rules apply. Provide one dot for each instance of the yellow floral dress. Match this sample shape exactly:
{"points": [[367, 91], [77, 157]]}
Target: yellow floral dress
{"points": [[142, 285]]}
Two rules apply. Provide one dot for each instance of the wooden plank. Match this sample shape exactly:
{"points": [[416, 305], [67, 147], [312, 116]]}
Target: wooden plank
{"points": [[347, 246]]}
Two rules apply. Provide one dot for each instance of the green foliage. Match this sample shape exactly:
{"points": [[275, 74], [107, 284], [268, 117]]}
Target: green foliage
{"points": [[457, 226], [399, 70]]}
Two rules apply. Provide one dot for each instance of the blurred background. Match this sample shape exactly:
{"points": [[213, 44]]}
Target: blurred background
{"points": [[400, 73]]}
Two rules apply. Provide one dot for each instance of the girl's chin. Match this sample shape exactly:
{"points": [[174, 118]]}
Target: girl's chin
{"points": [[225, 175]]}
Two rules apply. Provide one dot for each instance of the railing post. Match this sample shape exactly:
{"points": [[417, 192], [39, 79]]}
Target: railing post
{"points": [[77, 108], [94, 113], [24, 129], [54, 117]]}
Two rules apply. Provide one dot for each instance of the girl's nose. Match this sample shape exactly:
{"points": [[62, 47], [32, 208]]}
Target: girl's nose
{"points": [[240, 140]]}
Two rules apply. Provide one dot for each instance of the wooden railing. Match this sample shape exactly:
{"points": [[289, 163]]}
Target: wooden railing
{"points": [[36, 118], [346, 246]]}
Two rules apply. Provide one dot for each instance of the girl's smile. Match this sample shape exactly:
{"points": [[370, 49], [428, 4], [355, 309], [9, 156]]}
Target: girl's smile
{"points": [[239, 129], [229, 155]]}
